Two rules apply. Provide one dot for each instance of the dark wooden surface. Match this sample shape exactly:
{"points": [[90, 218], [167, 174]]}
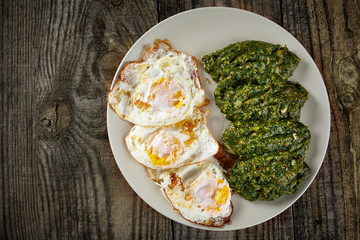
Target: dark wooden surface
{"points": [[58, 178]]}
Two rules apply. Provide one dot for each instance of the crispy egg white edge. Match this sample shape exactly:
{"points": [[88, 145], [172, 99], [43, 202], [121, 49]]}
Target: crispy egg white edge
{"points": [[159, 177]]}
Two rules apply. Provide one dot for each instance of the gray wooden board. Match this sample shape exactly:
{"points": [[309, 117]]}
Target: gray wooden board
{"points": [[58, 177]]}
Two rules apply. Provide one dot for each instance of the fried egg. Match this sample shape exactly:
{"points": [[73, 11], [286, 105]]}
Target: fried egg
{"points": [[161, 89], [186, 142], [199, 192]]}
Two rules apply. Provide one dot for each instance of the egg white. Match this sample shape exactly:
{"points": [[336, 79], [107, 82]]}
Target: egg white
{"points": [[161, 89], [192, 191], [186, 142]]}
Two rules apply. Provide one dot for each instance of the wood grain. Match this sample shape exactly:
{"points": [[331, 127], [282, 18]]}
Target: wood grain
{"points": [[58, 178], [330, 32]]}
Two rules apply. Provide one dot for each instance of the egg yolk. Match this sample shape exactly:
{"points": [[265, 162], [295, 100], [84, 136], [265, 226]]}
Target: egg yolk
{"points": [[221, 195], [211, 192], [163, 148], [166, 95]]}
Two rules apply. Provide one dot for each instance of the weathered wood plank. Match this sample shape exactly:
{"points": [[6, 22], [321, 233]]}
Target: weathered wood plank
{"points": [[330, 32], [58, 177], [18, 182]]}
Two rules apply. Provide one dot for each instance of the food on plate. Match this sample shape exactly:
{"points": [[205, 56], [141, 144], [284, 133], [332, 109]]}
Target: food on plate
{"points": [[160, 89], [268, 176], [250, 101], [264, 109], [162, 95], [186, 142], [254, 61], [250, 139], [199, 192]]}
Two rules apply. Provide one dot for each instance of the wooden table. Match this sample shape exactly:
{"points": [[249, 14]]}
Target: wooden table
{"points": [[58, 177]]}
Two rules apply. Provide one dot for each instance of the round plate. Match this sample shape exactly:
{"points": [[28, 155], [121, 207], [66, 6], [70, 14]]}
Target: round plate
{"points": [[202, 31]]}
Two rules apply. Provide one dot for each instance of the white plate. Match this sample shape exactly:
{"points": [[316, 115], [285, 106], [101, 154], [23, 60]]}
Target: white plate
{"points": [[201, 31]]}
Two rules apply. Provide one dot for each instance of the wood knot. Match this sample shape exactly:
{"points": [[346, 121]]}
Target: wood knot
{"points": [[55, 118], [116, 2], [318, 221], [347, 71], [92, 218], [108, 66], [347, 101]]}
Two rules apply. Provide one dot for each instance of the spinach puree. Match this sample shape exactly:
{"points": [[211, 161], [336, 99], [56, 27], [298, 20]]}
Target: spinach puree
{"points": [[246, 102], [268, 176], [264, 109], [266, 137], [251, 60]]}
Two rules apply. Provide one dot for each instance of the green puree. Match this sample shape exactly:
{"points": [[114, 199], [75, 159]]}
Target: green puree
{"points": [[268, 176], [249, 101], [251, 60], [264, 109], [250, 139]]}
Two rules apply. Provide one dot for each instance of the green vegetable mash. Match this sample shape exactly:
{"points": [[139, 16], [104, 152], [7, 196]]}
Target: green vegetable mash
{"points": [[266, 137], [251, 60], [268, 176], [264, 108], [246, 102]]}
